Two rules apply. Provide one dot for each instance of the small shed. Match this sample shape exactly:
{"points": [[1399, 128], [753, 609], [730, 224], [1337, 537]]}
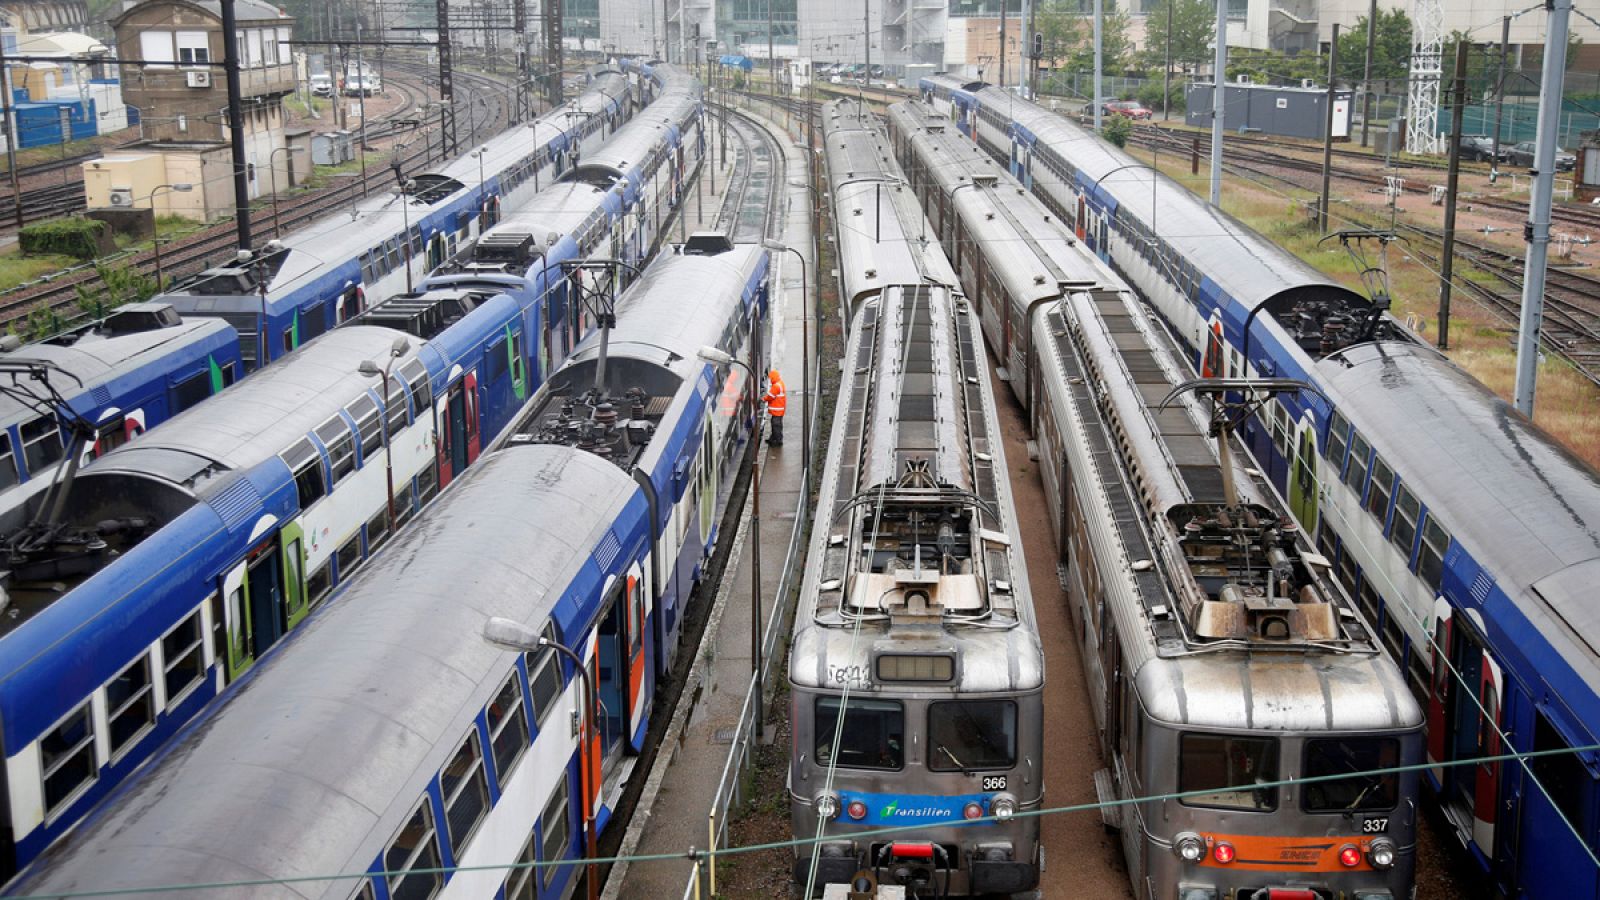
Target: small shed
{"points": [[1297, 112], [1586, 179], [733, 61]]}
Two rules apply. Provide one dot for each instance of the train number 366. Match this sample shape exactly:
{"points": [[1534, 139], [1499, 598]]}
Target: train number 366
{"points": [[1375, 826]]}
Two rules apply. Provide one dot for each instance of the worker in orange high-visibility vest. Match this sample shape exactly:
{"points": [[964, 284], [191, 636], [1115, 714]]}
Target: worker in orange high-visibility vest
{"points": [[777, 403]]}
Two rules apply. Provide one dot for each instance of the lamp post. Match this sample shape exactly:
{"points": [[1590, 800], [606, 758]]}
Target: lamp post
{"points": [[371, 370], [805, 343], [272, 173], [406, 187], [515, 636], [717, 357], [155, 221]]}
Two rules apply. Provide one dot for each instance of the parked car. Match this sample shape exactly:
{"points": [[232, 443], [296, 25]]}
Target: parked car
{"points": [[322, 85], [1128, 109], [1522, 155], [1480, 148]]}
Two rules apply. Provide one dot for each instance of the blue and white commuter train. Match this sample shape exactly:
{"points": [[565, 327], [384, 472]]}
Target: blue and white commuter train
{"points": [[388, 737], [229, 524], [331, 270], [1469, 535]]}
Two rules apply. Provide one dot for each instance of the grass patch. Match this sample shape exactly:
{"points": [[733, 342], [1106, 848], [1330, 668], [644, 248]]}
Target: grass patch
{"points": [[17, 269], [298, 106]]}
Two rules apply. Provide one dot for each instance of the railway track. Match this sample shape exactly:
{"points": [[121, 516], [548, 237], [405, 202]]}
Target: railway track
{"points": [[750, 207], [195, 253]]}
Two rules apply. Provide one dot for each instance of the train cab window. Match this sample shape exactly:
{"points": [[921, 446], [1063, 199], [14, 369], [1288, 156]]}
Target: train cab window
{"points": [[181, 658], [1356, 475], [557, 831], [466, 793], [1430, 560], [130, 705], [395, 415], [41, 443], [341, 445], [412, 858], [1355, 757], [1338, 440], [1406, 512], [303, 462], [1223, 771], [544, 681], [1382, 488], [508, 728], [364, 410], [8, 464], [872, 735], [66, 758], [190, 391], [313, 322], [964, 735]]}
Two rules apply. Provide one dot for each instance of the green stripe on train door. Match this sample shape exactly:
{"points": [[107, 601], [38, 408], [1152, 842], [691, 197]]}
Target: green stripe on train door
{"points": [[1303, 477], [292, 539], [519, 379], [216, 375]]}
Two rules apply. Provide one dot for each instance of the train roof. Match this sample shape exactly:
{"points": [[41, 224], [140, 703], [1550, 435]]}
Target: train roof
{"points": [[1525, 507], [101, 354], [327, 744], [1234, 690], [1244, 264], [634, 143], [263, 415]]}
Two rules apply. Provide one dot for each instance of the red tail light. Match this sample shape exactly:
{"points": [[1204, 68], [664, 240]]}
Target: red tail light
{"points": [[1349, 856], [857, 810], [1223, 852], [912, 850], [1290, 894]]}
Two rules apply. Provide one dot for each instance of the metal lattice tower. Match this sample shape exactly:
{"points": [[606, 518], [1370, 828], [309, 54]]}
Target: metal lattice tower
{"points": [[1422, 102]]}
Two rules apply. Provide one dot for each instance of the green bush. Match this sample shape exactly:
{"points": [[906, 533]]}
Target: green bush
{"points": [[1150, 95], [1117, 129], [113, 287], [80, 238]]}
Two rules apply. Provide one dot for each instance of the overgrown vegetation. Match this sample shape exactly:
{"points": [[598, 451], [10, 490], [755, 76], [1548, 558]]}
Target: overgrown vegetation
{"points": [[1117, 129], [112, 287], [79, 238]]}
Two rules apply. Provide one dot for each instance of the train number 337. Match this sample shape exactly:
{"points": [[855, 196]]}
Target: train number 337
{"points": [[1375, 826]]}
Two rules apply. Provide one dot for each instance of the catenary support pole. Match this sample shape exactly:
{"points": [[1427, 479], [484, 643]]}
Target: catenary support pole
{"points": [[1366, 71], [1447, 257], [1166, 70], [241, 173], [1100, 61], [1327, 132], [1500, 89], [1537, 230], [1218, 102], [1003, 5]]}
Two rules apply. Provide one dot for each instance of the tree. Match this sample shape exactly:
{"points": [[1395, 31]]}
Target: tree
{"points": [[1068, 36], [1193, 26], [1117, 129], [1391, 50]]}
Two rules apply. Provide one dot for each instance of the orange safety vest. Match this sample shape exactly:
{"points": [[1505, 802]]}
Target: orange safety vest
{"points": [[777, 402]]}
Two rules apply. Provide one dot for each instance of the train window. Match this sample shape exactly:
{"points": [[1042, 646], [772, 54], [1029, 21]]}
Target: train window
{"points": [[404, 504], [1355, 758], [302, 460], [365, 892], [1347, 570], [495, 356], [320, 583], [972, 734], [872, 735], [364, 410], [130, 704], [938, 667], [396, 413], [466, 793], [8, 464], [66, 758], [313, 322], [413, 848], [1338, 440], [519, 883], [1563, 776], [416, 376], [349, 557], [1370, 602], [428, 482], [1393, 637], [1406, 512], [190, 391], [1356, 475], [544, 682], [378, 530], [341, 446], [219, 630], [1382, 487], [41, 443], [1430, 560], [1222, 771], [557, 830], [508, 728], [181, 657]]}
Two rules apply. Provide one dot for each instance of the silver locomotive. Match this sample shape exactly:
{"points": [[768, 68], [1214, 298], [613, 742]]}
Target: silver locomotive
{"points": [[1232, 678], [916, 669]]}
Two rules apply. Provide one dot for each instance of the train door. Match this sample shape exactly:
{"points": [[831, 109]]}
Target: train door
{"points": [[1544, 854], [1213, 361], [611, 670], [351, 304], [265, 596], [459, 447], [1080, 219], [633, 597], [1467, 703], [1303, 475]]}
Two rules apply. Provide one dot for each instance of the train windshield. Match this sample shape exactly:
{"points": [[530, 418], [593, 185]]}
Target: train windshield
{"points": [[872, 736], [1352, 757], [972, 734], [1224, 771]]}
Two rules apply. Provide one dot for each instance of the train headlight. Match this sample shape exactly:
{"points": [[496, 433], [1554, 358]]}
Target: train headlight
{"points": [[1003, 806], [1223, 852], [856, 810], [827, 804], [1349, 856], [1381, 853], [1189, 846]]}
